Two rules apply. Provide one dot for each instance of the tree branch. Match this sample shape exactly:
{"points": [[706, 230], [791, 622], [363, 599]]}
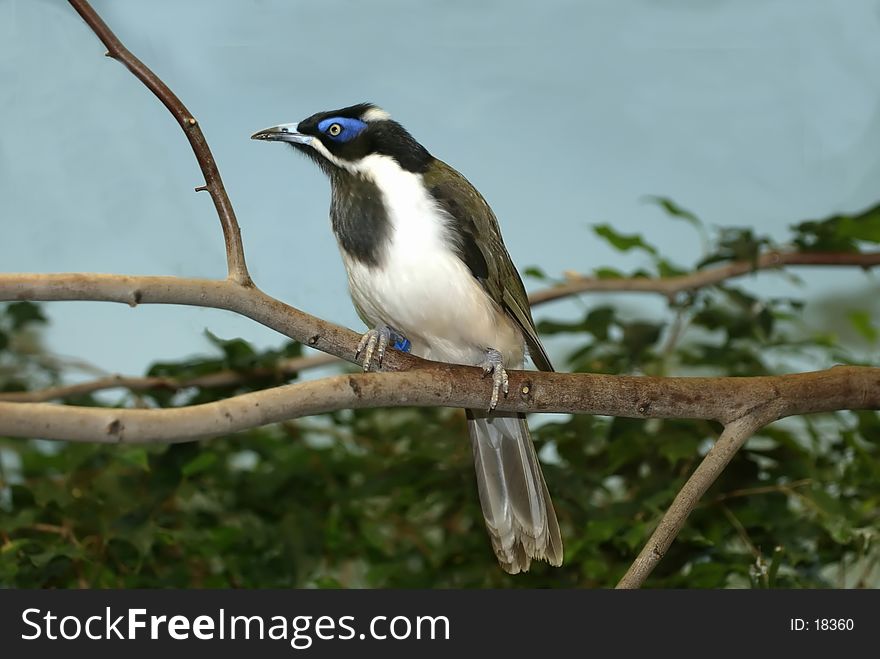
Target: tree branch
{"points": [[670, 286], [235, 262], [225, 378], [227, 294], [731, 440], [131, 290], [727, 399]]}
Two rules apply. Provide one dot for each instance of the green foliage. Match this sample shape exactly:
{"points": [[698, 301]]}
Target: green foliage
{"points": [[622, 242], [387, 498], [676, 211], [839, 233], [23, 362]]}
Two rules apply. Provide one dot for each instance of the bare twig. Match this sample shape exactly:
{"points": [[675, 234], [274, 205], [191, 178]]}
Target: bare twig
{"points": [[741, 531], [235, 262], [731, 440], [670, 286], [736, 402], [780, 488], [224, 378]]}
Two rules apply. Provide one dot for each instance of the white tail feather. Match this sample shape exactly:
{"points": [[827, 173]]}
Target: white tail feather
{"points": [[516, 504]]}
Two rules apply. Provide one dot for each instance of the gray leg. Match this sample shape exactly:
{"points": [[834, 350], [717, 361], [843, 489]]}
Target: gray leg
{"points": [[494, 364], [375, 343]]}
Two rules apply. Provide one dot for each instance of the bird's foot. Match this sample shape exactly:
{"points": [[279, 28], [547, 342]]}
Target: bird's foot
{"points": [[494, 364], [375, 343]]}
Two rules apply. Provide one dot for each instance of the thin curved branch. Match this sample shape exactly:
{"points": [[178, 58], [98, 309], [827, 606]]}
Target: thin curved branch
{"points": [[726, 399], [731, 440], [226, 378], [671, 286], [235, 261]]}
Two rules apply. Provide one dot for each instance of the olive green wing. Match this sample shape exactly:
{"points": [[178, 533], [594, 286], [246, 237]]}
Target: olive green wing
{"points": [[480, 246]]}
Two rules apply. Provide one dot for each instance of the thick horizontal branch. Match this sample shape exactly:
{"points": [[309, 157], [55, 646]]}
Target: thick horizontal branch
{"points": [[671, 286], [249, 301], [246, 299], [446, 385], [322, 335], [226, 378]]}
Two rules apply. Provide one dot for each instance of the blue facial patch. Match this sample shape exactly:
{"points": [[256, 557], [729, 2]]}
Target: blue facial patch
{"points": [[351, 128]]}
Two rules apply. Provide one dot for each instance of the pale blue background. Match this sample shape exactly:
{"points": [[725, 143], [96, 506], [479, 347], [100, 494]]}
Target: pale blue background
{"points": [[564, 114]]}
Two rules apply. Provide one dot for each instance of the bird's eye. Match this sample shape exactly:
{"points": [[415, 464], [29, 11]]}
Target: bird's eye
{"points": [[341, 129]]}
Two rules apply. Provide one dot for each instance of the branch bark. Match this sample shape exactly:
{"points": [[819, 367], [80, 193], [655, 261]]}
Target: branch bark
{"points": [[248, 301], [726, 400], [168, 290], [131, 290], [735, 434], [671, 286]]}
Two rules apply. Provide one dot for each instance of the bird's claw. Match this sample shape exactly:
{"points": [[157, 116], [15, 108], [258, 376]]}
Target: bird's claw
{"points": [[375, 343], [494, 364]]}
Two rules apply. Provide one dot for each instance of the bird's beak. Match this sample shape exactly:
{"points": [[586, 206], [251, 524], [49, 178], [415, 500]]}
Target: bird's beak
{"points": [[282, 133]]}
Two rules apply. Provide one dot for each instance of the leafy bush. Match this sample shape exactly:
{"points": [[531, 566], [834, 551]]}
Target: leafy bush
{"points": [[387, 498]]}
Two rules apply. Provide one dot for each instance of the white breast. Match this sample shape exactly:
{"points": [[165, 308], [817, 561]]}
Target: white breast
{"points": [[422, 288]]}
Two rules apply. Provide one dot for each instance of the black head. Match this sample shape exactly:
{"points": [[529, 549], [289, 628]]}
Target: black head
{"points": [[341, 139]]}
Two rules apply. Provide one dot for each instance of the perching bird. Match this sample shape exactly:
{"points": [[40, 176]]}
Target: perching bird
{"points": [[427, 268]]}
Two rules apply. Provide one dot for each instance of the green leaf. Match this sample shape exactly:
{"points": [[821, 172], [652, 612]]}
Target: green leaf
{"points": [[861, 322], [292, 349], [598, 322], [4, 340], [639, 335], [536, 273], [622, 242], [839, 232], [202, 462], [865, 226], [775, 562], [559, 327], [24, 313], [668, 269], [678, 447], [608, 273], [674, 210], [137, 457], [736, 244], [238, 352]]}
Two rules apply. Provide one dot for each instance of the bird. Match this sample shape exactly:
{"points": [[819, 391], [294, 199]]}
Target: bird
{"points": [[428, 273]]}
